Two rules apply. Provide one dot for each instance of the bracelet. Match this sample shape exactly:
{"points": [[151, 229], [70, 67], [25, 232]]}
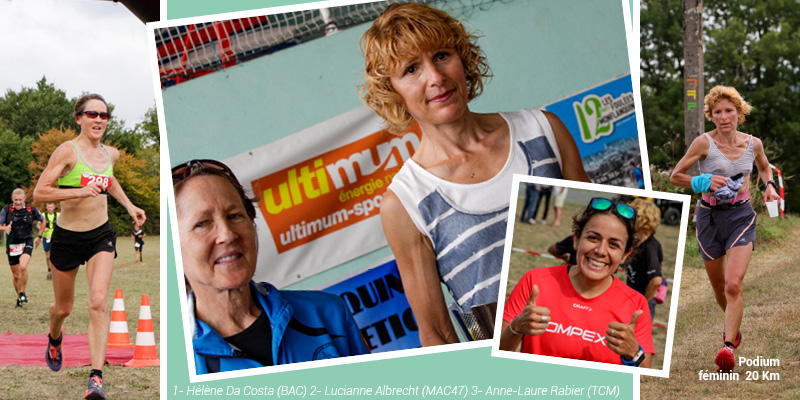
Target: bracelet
{"points": [[512, 329], [40, 236]]}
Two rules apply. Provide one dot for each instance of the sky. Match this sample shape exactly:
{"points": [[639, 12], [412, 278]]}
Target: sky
{"points": [[80, 46]]}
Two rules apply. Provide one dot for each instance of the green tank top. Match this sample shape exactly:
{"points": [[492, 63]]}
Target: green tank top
{"points": [[82, 174], [51, 218]]}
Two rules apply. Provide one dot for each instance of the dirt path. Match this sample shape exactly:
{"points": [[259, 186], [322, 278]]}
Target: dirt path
{"points": [[771, 330]]}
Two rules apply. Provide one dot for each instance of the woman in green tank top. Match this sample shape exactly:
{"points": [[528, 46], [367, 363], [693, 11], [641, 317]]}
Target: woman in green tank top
{"points": [[83, 170]]}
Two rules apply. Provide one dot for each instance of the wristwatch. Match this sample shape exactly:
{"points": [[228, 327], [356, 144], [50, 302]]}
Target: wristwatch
{"points": [[637, 359], [771, 182]]}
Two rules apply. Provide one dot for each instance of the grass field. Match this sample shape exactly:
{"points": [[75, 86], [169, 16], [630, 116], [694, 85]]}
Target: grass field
{"points": [[132, 277], [539, 237], [770, 328]]}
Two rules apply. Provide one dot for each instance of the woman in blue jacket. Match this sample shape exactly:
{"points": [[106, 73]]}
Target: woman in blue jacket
{"points": [[236, 322]]}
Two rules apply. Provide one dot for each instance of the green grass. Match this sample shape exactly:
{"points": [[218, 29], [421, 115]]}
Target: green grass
{"points": [[771, 326], [135, 279], [539, 237]]}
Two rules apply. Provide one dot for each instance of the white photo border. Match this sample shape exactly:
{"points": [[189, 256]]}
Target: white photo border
{"points": [[685, 199]]}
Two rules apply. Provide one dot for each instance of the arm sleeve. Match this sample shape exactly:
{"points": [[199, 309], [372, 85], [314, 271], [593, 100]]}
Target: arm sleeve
{"points": [[3, 214], [354, 339], [37, 215]]}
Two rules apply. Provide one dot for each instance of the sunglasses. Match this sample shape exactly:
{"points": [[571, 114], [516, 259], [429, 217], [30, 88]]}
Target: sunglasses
{"points": [[94, 114], [602, 204], [182, 171]]}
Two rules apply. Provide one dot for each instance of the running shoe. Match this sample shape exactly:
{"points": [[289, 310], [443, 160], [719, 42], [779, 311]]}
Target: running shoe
{"points": [[95, 389], [53, 355], [23, 299], [737, 342], [725, 360], [19, 305]]}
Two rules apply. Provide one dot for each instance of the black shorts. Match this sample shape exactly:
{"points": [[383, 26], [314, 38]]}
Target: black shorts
{"points": [[70, 249], [720, 230], [18, 249]]}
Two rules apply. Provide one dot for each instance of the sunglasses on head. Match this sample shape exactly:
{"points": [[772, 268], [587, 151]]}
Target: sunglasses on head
{"points": [[182, 171], [95, 114], [602, 204]]}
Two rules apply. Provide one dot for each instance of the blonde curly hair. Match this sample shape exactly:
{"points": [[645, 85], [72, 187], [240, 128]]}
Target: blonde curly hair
{"points": [[648, 216], [396, 36], [720, 92]]}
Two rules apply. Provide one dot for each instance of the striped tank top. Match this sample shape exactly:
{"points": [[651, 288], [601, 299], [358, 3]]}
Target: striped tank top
{"points": [[466, 223]]}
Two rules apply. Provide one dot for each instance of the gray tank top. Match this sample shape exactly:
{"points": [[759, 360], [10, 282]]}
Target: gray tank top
{"points": [[717, 164]]}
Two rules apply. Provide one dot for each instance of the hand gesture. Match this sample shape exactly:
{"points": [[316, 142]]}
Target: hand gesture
{"points": [[717, 181], [533, 320], [621, 338], [138, 215], [36, 242], [7, 228], [770, 194], [93, 189]]}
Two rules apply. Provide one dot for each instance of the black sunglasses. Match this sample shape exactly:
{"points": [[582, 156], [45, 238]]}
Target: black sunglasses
{"points": [[602, 204], [95, 114], [182, 171]]}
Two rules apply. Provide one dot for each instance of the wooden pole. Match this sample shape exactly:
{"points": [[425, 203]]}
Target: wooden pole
{"points": [[693, 85]]}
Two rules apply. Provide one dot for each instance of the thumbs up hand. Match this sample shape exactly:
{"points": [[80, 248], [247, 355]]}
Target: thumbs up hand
{"points": [[621, 337], [533, 320]]}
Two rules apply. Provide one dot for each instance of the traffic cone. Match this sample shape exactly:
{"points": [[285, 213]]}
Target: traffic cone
{"points": [[144, 355], [118, 329]]}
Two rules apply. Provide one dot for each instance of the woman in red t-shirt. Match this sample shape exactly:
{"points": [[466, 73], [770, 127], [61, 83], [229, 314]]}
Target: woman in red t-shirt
{"points": [[582, 311]]}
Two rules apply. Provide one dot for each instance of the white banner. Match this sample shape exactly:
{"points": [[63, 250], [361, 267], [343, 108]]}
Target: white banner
{"points": [[319, 193]]}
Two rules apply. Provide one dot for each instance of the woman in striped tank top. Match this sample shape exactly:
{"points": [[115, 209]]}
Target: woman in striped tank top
{"points": [[445, 212], [726, 222]]}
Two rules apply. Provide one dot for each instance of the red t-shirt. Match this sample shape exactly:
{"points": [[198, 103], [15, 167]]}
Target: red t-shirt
{"points": [[578, 325]]}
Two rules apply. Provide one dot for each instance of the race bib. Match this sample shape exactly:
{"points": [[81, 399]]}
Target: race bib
{"points": [[47, 240], [16, 249], [136, 245], [88, 177]]}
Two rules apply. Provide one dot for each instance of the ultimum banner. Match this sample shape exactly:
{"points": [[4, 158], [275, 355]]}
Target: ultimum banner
{"points": [[319, 193], [378, 303], [603, 122]]}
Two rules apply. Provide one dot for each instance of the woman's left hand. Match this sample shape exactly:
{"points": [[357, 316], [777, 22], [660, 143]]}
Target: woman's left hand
{"points": [[770, 194], [621, 337], [137, 214]]}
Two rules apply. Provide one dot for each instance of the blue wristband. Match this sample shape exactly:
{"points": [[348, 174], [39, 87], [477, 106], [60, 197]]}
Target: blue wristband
{"points": [[631, 363], [701, 183]]}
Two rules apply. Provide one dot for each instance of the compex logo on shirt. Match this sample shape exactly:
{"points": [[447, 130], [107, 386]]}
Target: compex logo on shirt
{"points": [[587, 335]]}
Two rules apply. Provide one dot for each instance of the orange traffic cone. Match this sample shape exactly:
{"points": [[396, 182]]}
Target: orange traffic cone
{"points": [[118, 330], [144, 355]]}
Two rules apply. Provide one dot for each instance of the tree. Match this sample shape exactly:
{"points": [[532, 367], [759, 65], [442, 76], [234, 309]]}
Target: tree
{"points": [[133, 174], [35, 110], [14, 159], [753, 46], [149, 127]]}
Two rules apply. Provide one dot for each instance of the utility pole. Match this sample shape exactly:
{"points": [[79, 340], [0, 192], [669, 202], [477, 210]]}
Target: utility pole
{"points": [[693, 85]]}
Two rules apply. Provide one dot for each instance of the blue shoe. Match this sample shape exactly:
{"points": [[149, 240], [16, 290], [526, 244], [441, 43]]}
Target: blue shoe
{"points": [[95, 389], [53, 355]]}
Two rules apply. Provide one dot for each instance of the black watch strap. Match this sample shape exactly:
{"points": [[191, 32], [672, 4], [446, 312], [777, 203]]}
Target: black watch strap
{"points": [[771, 182]]}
